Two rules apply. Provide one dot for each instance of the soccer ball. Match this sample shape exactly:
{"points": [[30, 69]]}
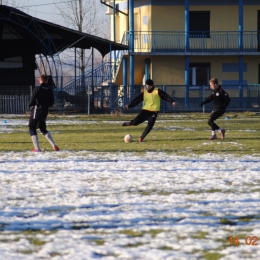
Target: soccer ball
{"points": [[128, 138]]}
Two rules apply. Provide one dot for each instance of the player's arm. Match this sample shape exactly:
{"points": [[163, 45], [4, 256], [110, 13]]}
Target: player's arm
{"points": [[135, 101], [207, 100], [32, 101], [163, 95], [227, 99]]}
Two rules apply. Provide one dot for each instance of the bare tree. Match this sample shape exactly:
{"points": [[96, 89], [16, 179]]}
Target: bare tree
{"points": [[15, 3], [85, 16]]}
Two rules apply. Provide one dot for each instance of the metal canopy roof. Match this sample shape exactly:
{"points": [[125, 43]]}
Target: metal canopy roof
{"points": [[22, 33]]}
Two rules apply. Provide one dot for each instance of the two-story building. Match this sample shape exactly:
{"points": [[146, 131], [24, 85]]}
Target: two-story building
{"points": [[181, 44]]}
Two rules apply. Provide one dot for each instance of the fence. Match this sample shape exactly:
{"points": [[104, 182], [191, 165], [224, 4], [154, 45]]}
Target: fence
{"points": [[14, 104], [246, 100], [180, 41], [14, 100]]}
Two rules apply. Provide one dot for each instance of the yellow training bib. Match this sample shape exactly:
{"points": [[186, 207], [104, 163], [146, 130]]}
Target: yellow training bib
{"points": [[152, 101]]}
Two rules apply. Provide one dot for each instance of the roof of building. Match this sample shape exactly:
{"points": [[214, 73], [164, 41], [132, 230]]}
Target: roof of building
{"points": [[22, 32]]}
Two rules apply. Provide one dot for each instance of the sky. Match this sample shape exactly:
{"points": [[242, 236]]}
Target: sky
{"points": [[44, 9], [47, 10], [85, 205]]}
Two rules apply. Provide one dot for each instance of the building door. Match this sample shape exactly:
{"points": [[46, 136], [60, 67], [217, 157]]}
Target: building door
{"points": [[199, 74]]}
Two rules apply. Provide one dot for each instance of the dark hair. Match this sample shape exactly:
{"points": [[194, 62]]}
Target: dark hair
{"points": [[149, 82], [51, 81]]}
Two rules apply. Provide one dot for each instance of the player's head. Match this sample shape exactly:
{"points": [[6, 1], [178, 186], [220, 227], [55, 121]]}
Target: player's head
{"points": [[44, 79], [149, 83], [213, 83]]}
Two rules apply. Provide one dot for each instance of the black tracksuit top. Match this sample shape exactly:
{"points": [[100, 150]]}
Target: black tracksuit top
{"points": [[220, 99], [42, 97]]}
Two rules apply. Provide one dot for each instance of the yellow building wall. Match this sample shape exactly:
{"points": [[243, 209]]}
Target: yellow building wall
{"points": [[170, 70], [252, 69], [250, 18], [144, 18], [168, 18], [171, 18], [121, 22], [167, 70], [216, 68], [222, 18], [251, 75]]}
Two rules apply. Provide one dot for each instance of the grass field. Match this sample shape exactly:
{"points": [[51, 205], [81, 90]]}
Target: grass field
{"points": [[173, 133], [177, 195]]}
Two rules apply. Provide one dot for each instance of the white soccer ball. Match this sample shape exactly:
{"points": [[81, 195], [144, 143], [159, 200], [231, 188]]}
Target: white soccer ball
{"points": [[128, 138]]}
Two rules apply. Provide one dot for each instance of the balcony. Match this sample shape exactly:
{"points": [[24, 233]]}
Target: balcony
{"points": [[195, 43]]}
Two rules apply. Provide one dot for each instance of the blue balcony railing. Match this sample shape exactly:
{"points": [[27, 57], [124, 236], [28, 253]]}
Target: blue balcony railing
{"points": [[175, 41]]}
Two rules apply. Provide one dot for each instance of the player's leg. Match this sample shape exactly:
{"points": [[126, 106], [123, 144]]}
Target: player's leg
{"points": [[34, 137], [151, 121], [214, 116], [48, 135], [140, 118], [33, 124], [221, 130]]}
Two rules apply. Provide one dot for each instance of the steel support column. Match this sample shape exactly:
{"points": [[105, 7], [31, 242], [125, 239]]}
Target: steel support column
{"points": [[125, 80], [240, 29], [110, 81], [187, 58], [132, 58]]}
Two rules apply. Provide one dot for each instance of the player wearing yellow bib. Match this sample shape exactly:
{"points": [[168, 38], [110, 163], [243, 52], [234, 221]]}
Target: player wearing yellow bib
{"points": [[152, 102]]}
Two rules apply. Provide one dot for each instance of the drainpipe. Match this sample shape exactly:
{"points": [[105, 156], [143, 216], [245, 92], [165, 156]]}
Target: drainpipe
{"points": [[104, 3]]}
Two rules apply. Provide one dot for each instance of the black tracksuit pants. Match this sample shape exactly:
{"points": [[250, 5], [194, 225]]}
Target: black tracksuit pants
{"points": [[144, 115], [214, 116]]}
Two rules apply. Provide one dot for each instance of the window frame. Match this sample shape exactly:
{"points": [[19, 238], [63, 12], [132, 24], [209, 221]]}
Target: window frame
{"points": [[199, 29]]}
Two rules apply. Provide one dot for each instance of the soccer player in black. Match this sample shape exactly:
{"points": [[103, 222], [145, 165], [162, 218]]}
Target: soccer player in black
{"points": [[220, 100], [42, 98]]}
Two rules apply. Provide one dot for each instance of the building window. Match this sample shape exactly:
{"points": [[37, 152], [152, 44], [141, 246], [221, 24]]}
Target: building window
{"points": [[199, 24], [145, 20], [199, 74], [12, 63]]}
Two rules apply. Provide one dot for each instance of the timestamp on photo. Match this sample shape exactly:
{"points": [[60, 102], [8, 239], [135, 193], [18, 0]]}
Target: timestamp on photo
{"points": [[248, 240]]}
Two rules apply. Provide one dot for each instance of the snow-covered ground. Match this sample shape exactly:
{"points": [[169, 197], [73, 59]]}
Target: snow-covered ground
{"points": [[82, 205]]}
